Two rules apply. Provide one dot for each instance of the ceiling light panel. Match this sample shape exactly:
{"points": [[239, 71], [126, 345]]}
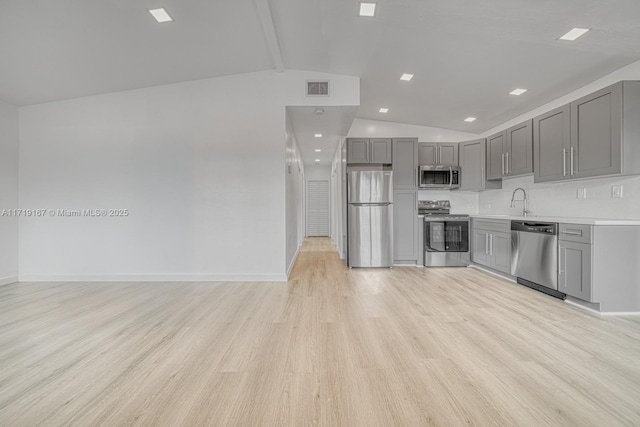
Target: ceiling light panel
{"points": [[318, 150], [383, 110], [517, 91], [574, 34], [406, 77], [470, 119], [367, 9], [161, 15], [318, 135]]}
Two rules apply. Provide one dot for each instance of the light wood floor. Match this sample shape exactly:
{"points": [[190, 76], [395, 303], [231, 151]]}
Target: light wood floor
{"points": [[362, 347]]}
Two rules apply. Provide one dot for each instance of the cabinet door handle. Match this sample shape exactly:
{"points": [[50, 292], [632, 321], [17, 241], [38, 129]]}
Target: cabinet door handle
{"points": [[564, 162], [502, 164], [486, 245], [572, 232], [571, 161], [490, 244], [506, 156], [450, 176], [482, 183]]}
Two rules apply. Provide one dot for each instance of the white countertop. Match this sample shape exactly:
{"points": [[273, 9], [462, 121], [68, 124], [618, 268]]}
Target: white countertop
{"points": [[559, 219]]}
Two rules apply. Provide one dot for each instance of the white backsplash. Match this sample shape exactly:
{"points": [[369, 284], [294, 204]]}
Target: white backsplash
{"points": [[561, 198]]}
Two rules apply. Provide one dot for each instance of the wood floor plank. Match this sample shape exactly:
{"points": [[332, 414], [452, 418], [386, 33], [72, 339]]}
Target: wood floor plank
{"points": [[333, 346]]}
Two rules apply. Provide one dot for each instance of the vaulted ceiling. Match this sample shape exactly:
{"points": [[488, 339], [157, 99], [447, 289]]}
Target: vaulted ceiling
{"points": [[466, 55]]}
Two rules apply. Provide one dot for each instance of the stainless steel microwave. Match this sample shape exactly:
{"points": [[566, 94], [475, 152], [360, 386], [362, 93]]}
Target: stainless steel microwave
{"points": [[438, 176]]}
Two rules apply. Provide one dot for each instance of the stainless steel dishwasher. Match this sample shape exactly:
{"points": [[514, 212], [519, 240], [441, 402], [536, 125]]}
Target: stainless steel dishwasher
{"points": [[534, 255]]}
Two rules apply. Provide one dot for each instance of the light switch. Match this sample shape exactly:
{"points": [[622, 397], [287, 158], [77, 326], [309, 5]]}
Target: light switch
{"points": [[616, 191], [582, 193]]}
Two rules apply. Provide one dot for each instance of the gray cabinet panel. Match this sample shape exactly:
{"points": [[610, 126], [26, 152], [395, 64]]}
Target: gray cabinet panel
{"points": [[365, 150], [495, 155], [500, 245], [551, 145], [490, 247], [473, 174], [519, 149], [480, 247], [405, 163], [448, 154], [431, 153], [405, 225], [427, 153], [574, 269], [380, 149], [358, 150], [596, 139]]}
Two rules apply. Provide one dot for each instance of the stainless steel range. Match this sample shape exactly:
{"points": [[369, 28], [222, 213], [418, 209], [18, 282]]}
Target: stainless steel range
{"points": [[446, 236]]}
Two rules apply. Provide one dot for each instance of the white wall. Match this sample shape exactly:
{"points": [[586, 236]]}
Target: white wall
{"points": [[199, 165], [317, 172], [294, 196], [561, 198], [380, 129], [8, 192]]}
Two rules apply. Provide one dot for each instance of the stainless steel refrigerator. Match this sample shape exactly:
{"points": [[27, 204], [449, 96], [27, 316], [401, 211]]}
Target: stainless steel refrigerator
{"points": [[370, 217]]}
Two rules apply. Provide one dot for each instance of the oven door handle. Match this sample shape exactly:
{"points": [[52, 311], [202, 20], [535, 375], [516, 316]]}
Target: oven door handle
{"points": [[450, 176]]}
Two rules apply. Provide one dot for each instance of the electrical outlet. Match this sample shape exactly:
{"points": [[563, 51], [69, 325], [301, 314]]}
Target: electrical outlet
{"points": [[616, 191], [582, 193]]}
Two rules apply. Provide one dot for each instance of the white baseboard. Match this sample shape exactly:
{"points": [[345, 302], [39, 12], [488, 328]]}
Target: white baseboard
{"points": [[7, 280], [494, 273], [157, 278], [293, 261]]}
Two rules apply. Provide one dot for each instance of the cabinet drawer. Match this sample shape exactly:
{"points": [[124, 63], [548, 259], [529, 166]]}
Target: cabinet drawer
{"points": [[492, 224], [579, 233]]}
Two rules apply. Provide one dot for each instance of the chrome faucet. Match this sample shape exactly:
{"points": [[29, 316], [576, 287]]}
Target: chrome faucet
{"points": [[524, 200]]}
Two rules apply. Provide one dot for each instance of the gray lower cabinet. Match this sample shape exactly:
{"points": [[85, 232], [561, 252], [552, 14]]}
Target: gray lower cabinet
{"points": [[405, 227], [491, 244], [432, 153], [405, 163], [369, 150], [595, 135], [473, 176], [574, 269]]}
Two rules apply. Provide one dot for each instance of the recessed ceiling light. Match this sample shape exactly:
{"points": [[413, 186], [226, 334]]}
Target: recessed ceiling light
{"points": [[161, 15], [574, 34], [470, 119], [406, 77], [367, 9], [318, 135], [318, 150], [384, 110], [517, 91], [317, 160]]}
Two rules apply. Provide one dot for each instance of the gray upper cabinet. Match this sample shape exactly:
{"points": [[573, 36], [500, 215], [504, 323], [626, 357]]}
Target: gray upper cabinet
{"points": [[551, 143], [596, 139], [519, 149], [495, 155], [405, 163], [595, 135], [431, 153], [369, 150], [473, 176], [380, 150], [510, 152]]}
